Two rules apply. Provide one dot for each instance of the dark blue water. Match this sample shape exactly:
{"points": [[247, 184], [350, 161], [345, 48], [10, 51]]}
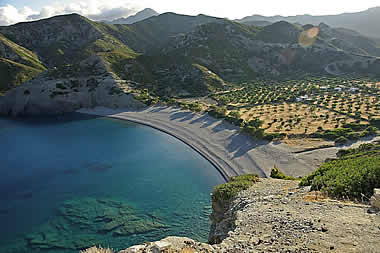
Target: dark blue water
{"points": [[67, 182]]}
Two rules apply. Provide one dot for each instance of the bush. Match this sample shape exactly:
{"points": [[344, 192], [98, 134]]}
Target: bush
{"points": [[375, 122], [195, 107], [341, 140], [356, 126], [276, 173], [274, 136], [235, 114], [217, 112], [232, 188], [357, 172]]}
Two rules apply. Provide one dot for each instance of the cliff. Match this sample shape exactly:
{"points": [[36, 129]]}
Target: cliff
{"points": [[278, 216], [68, 89]]}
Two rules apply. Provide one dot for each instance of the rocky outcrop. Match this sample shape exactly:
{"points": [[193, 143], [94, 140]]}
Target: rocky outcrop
{"points": [[54, 93], [171, 244], [65, 95], [278, 216], [375, 200]]}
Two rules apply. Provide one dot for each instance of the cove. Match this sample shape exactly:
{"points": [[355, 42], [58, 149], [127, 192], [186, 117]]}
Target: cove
{"points": [[75, 181]]}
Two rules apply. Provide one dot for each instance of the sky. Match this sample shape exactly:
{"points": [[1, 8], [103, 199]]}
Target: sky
{"points": [[14, 11]]}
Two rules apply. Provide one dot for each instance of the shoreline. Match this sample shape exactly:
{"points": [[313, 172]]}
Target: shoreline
{"points": [[229, 150], [200, 152]]}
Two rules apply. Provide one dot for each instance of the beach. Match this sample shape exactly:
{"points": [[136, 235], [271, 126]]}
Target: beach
{"points": [[222, 144]]}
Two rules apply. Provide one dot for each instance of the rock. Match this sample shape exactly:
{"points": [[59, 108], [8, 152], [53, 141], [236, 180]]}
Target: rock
{"points": [[160, 246], [133, 249], [375, 200], [44, 95]]}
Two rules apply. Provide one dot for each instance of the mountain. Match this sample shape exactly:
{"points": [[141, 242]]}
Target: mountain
{"points": [[259, 23], [65, 39], [153, 33], [171, 55], [140, 16], [365, 22]]}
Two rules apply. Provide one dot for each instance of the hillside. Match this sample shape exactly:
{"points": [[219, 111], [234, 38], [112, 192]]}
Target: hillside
{"points": [[17, 64], [153, 33], [365, 22], [240, 53], [66, 39], [177, 55]]}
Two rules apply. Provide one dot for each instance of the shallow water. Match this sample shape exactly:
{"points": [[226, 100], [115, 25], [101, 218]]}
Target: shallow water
{"points": [[74, 181]]}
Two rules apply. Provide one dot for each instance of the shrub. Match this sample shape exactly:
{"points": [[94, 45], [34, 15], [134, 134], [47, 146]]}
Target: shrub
{"points": [[276, 173], [357, 172], [195, 107], [274, 136], [217, 112], [356, 126], [375, 122], [60, 86], [234, 186], [235, 114], [341, 140]]}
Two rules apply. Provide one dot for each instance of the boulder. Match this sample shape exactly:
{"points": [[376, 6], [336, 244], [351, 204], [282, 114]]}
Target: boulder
{"points": [[375, 200]]}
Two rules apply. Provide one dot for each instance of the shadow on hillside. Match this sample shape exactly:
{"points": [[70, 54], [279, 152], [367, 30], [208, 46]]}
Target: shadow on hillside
{"points": [[223, 126], [241, 144], [180, 116], [158, 109], [204, 120]]}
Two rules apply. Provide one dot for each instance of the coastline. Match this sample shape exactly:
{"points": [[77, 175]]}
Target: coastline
{"points": [[230, 151]]}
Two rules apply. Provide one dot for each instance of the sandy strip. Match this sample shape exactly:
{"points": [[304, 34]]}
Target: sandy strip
{"points": [[230, 151]]}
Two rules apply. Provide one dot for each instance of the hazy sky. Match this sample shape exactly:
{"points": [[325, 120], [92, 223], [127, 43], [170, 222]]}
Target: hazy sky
{"points": [[13, 11]]}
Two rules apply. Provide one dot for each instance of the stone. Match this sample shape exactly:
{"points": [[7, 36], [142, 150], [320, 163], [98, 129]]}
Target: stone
{"points": [[375, 200], [160, 246], [133, 249]]}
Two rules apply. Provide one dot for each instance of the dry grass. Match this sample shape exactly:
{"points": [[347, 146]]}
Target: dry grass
{"points": [[315, 196], [97, 250], [295, 118]]}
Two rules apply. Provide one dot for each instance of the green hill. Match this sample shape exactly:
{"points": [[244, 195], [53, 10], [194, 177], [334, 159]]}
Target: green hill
{"points": [[17, 64]]}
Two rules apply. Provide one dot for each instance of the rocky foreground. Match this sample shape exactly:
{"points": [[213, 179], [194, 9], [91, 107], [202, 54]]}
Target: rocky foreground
{"points": [[278, 216]]}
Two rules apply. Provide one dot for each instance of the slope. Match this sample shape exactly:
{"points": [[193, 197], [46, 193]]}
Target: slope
{"points": [[17, 64], [153, 33], [66, 39]]}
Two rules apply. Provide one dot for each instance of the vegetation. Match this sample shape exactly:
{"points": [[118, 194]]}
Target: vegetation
{"points": [[13, 73], [354, 174], [317, 107], [234, 186], [24, 65], [276, 173]]}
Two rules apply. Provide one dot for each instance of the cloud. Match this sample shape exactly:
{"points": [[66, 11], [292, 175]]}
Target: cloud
{"points": [[93, 9], [10, 14]]}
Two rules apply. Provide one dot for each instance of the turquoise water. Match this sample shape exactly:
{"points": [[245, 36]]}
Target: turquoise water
{"points": [[74, 181]]}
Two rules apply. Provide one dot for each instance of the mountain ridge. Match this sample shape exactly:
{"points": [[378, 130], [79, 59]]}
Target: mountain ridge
{"points": [[174, 54], [364, 22], [139, 16]]}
